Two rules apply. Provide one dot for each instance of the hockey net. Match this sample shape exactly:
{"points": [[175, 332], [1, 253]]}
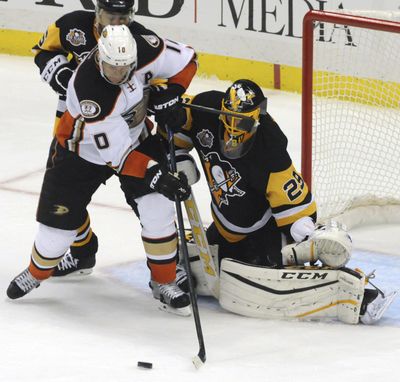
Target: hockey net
{"points": [[351, 115]]}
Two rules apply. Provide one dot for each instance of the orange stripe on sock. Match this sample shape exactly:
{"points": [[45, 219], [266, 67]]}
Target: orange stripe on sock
{"points": [[163, 273], [40, 274]]}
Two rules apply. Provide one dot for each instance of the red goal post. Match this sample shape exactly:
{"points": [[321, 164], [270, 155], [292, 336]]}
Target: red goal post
{"points": [[351, 113]]}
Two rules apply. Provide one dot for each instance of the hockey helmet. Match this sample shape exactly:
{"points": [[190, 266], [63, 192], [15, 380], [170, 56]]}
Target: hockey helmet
{"points": [[117, 54], [114, 12], [246, 100]]}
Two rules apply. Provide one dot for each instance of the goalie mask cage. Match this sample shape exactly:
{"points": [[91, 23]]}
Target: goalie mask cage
{"points": [[351, 114]]}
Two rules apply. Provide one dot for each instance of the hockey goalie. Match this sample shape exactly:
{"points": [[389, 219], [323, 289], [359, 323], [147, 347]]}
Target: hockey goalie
{"points": [[257, 199]]}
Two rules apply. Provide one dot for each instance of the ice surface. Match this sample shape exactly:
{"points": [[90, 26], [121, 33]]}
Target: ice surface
{"points": [[99, 327]]}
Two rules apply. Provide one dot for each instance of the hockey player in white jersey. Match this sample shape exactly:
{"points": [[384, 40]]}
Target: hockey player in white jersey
{"points": [[62, 47], [258, 198], [104, 132]]}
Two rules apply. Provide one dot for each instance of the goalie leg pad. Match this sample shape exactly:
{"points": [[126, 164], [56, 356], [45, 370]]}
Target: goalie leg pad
{"points": [[307, 293], [197, 268]]}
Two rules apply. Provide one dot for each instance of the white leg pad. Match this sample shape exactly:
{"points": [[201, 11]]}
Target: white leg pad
{"points": [[307, 293], [197, 267]]}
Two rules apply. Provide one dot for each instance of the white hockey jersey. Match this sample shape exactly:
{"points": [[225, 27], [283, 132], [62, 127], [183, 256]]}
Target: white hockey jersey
{"points": [[104, 123]]}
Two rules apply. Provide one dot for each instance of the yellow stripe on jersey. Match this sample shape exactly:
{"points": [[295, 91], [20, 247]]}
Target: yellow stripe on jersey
{"points": [[286, 187], [51, 40]]}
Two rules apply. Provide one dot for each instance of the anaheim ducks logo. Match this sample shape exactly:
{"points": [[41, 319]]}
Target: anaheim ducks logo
{"points": [[76, 37], [222, 178], [60, 210]]}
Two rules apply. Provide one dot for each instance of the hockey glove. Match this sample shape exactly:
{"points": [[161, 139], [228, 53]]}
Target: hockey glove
{"points": [[328, 243], [57, 73], [168, 184], [166, 105]]}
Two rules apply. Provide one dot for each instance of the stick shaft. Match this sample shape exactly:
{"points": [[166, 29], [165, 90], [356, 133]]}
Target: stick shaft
{"points": [[193, 299]]}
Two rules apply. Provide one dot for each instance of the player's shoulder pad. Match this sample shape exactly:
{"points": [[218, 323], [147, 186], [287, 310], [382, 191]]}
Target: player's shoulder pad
{"points": [[212, 99], [95, 95], [76, 20], [137, 28], [149, 48], [272, 133]]}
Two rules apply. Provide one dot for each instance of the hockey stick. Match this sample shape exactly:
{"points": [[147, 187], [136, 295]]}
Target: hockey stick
{"points": [[200, 359], [200, 238]]}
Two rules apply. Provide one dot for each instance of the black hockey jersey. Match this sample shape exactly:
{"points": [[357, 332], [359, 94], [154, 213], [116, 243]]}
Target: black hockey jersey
{"points": [[248, 191], [73, 34], [71, 37]]}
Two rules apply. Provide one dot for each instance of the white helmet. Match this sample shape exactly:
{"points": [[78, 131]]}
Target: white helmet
{"points": [[117, 51]]}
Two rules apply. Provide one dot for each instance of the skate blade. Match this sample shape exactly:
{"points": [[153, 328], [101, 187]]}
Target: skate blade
{"points": [[80, 273], [186, 311], [389, 298]]}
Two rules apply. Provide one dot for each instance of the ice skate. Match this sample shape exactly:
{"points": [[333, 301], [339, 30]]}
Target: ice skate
{"points": [[376, 307], [22, 285], [75, 266], [172, 299], [78, 260]]}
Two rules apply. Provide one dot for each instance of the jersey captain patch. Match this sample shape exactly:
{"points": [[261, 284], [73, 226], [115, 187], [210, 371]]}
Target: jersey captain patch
{"points": [[76, 37], [90, 109], [222, 178]]}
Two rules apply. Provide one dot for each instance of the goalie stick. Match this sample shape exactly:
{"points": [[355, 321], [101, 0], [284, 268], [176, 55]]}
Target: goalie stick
{"points": [[200, 359], [199, 235]]}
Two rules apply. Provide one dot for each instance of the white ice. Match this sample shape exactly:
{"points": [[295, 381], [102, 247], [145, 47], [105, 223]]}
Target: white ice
{"points": [[99, 327]]}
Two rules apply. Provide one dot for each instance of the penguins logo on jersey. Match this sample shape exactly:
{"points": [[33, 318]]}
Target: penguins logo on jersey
{"points": [[222, 178], [76, 37]]}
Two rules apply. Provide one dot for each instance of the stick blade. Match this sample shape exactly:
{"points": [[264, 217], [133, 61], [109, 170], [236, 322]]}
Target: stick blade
{"points": [[198, 362]]}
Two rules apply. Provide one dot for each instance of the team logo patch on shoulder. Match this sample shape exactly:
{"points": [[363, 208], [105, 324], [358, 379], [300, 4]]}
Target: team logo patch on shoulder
{"points": [[154, 41], [206, 138], [90, 109], [76, 37]]}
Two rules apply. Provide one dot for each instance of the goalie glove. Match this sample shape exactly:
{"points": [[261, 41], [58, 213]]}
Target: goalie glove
{"points": [[328, 243]]}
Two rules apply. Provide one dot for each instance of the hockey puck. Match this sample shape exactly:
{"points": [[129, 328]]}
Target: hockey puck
{"points": [[145, 365]]}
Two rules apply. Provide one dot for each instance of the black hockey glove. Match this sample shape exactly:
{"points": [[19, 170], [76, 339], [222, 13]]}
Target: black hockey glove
{"points": [[60, 79], [57, 71], [166, 105], [168, 184]]}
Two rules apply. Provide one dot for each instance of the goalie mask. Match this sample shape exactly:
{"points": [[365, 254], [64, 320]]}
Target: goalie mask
{"points": [[114, 12], [117, 56], [237, 133]]}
